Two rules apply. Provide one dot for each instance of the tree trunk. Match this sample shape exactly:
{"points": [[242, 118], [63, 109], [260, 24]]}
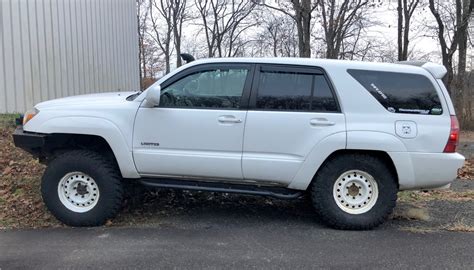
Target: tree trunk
{"points": [[167, 54], [330, 51], [299, 28], [400, 30], [460, 84], [406, 33], [177, 45], [167, 63], [306, 21], [178, 54], [303, 26]]}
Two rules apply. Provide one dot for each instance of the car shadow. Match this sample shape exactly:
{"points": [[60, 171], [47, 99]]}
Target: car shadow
{"points": [[164, 206]]}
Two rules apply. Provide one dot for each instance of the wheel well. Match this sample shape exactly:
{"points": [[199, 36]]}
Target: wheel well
{"points": [[59, 143], [377, 154]]}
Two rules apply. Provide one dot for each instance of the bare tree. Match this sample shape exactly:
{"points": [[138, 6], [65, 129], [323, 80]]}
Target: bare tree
{"points": [[464, 9], [224, 22], [142, 15], [301, 12], [277, 33], [380, 50], [340, 19], [453, 35], [357, 45], [405, 10], [162, 33], [178, 16]]}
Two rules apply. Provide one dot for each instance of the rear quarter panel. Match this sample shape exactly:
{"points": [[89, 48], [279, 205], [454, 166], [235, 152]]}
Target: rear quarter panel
{"points": [[364, 113]]}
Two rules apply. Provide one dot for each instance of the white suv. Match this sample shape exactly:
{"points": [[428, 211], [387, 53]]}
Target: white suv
{"points": [[348, 134]]}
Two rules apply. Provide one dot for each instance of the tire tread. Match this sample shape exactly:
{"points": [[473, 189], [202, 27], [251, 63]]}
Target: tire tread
{"points": [[114, 180], [324, 181]]}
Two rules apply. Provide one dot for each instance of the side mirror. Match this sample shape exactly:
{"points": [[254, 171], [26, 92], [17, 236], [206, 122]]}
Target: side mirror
{"points": [[153, 96]]}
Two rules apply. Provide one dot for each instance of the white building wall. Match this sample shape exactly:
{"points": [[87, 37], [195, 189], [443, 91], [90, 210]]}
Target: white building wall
{"points": [[57, 48]]}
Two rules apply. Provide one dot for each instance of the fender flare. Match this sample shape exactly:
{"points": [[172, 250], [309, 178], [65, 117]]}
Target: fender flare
{"points": [[356, 140], [316, 157], [390, 144], [96, 126]]}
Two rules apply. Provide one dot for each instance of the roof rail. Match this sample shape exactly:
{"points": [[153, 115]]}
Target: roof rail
{"points": [[438, 71]]}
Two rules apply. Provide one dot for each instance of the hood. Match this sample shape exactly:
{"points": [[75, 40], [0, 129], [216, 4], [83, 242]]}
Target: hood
{"points": [[85, 100]]}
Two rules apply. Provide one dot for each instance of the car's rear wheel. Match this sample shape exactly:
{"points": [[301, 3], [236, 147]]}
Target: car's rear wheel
{"points": [[82, 188], [355, 192]]}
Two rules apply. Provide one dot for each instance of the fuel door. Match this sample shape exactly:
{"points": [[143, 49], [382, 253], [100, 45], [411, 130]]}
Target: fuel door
{"points": [[406, 129]]}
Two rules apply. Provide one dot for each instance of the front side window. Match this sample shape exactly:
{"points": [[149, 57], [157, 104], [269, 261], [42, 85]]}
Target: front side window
{"points": [[216, 88], [294, 91], [400, 92]]}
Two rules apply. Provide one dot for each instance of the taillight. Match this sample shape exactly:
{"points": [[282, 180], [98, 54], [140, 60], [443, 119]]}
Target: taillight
{"points": [[453, 136]]}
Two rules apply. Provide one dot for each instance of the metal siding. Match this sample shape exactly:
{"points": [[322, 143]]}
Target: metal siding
{"points": [[3, 94], [56, 48], [8, 56]]}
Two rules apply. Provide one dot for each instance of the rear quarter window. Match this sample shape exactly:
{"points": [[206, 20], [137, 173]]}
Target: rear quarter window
{"points": [[400, 92]]}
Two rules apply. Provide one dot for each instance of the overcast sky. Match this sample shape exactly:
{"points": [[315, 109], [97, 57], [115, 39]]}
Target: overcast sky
{"points": [[423, 42]]}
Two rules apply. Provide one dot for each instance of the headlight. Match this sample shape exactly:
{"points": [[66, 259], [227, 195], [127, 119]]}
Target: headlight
{"points": [[29, 115]]}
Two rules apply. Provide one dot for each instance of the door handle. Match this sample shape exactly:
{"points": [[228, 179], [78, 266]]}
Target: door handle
{"points": [[228, 119], [321, 122]]}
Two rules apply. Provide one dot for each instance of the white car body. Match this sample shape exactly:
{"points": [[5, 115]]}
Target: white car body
{"points": [[253, 146]]}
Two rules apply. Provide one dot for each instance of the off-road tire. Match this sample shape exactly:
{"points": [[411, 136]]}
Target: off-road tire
{"points": [[103, 171], [324, 201]]}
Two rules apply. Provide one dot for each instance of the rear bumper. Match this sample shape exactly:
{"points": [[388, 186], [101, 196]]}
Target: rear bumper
{"points": [[31, 142], [426, 170]]}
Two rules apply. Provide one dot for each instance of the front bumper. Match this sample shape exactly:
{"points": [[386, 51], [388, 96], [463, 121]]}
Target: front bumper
{"points": [[30, 142]]}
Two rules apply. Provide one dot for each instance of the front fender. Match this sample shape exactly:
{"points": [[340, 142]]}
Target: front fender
{"points": [[87, 125]]}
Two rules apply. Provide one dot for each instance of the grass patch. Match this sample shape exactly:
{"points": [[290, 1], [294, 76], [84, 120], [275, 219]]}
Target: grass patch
{"points": [[412, 213], [419, 230], [444, 195], [460, 226], [408, 196], [8, 120], [18, 192]]}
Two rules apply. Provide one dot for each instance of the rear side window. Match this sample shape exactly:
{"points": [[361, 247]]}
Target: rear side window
{"points": [[323, 97], [293, 91], [400, 92]]}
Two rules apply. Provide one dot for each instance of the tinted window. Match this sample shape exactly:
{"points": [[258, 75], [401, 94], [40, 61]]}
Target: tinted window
{"points": [[400, 92], [323, 98], [284, 91], [294, 91], [219, 88]]}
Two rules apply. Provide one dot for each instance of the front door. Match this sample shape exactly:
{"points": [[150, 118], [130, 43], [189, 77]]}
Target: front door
{"points": [[197, 130]]}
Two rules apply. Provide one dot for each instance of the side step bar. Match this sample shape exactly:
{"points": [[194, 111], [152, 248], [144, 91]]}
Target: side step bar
{"points": [[276, 192]]}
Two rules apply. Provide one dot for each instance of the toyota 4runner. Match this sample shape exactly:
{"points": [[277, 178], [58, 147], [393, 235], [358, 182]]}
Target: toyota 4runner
{"points": [[349, 135]]}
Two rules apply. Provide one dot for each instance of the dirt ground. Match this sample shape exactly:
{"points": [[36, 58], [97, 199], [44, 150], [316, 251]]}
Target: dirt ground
{"points": [[466, 136], [417, 211]]}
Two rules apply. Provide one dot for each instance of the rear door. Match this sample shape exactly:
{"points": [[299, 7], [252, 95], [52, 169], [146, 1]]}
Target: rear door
{"points": [[291, 109]]}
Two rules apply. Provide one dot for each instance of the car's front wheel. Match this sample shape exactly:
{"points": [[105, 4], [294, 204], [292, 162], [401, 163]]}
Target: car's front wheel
{"points": [[82, 188], [355, 192]]}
